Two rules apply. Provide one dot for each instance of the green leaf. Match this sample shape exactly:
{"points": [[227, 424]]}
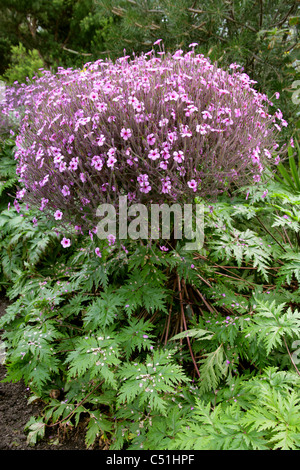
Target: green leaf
{"points": [[212, 370], [294, 171], [271, 324], [104, 311], [286, 176], [150, 381], [136, 336]]}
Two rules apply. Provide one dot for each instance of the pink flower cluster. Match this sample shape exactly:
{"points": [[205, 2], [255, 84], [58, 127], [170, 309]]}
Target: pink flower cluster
{"points": [[157, 129]]}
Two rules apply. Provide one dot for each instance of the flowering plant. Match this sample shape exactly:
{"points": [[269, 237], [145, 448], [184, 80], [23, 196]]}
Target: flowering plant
{"points": [[158, 128]]}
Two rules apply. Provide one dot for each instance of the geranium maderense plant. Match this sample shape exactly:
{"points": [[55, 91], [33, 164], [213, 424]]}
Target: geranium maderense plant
{"points": [[158, 128]]}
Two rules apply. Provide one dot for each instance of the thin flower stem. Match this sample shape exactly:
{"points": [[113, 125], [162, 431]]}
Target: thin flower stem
{"points": [[271, 235], [77, 406]]}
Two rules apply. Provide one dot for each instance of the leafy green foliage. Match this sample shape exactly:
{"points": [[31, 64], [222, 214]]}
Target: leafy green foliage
{"points": [[280, 417], [64, 32], [247, 426], [104, 310], [151, 380], [96, 356], [24, 64], [161, 350], [8, 178], [213, 368], [272, 324]]}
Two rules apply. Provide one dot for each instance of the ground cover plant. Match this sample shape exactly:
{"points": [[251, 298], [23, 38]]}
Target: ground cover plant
{"points": [[148, 345]]}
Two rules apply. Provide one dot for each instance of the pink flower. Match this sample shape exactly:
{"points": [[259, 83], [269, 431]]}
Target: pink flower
{"points": [[172, 136], [177, 54], [255, 157], [93, 96], [144, 183], [163, 122], [165, 154], [20, 194], [267, 153], [185, 132], [44, 202], [111, 239], [166, 185], [206, 114], [151, 139], [126, 133], [100, 140], [190, 109], [98, 252], [66, 242], [82, 177], [62, 167], [163, 248], [98, 165], [182, 170], [65, 190], [193, 185], [111, 152], [58, 215], [17, 206], [74, 164], [201, 129], [178, 156], [173, 96], [111, 161], [102, 107], [153, 154], [58, 159], [97, 162], [234, 66], [163, 165]]}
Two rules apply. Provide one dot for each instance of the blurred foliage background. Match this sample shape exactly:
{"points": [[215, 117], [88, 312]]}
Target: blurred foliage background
{"points": [[260, 35]]}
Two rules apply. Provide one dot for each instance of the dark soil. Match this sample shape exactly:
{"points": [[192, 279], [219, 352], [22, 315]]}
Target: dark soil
{"points": [[15, 412]]}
